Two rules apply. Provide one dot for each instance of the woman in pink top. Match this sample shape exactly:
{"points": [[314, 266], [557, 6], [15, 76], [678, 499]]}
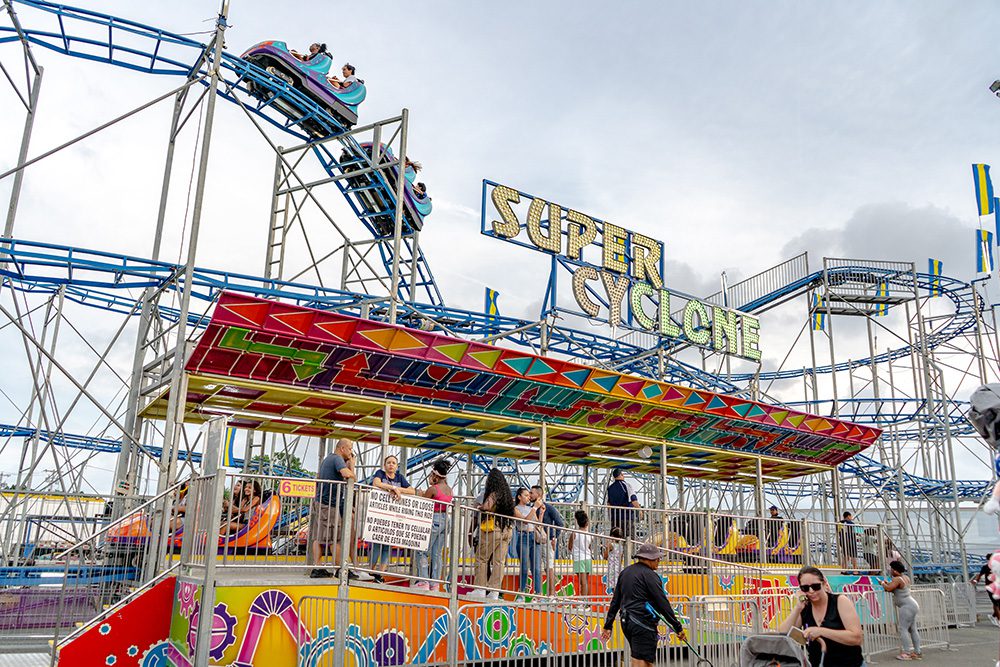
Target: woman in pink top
{"points": [[441, 493]]}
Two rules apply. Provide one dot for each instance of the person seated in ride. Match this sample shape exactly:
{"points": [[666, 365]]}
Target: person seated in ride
{"points": [[177, 520], [420, 190], [236, 498], [243, 507], [315, 49], [348, 71]]}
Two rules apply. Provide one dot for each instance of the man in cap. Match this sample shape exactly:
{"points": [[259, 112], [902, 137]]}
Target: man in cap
{"points": [[640, 598], [622, 503]]}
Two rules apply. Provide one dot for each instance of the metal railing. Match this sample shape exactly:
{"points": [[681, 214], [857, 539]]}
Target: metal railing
{"points": [[48, 600], [278, 530], [762, 284], [737, 538], [878, 616], [961, 603], [393, 633]]}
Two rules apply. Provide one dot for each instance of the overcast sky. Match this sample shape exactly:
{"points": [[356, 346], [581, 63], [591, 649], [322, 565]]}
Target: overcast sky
{"points": [[739, 133]]}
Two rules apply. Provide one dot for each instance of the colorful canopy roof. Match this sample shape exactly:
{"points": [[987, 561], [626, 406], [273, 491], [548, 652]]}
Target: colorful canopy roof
{"points": [[277, 367]]}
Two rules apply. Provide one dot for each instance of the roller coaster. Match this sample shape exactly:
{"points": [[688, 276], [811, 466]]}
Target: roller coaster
{"points": [[108, 282]]}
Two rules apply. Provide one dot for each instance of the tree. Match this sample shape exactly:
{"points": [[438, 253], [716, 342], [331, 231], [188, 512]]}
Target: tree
{"points": [[283, 463]]}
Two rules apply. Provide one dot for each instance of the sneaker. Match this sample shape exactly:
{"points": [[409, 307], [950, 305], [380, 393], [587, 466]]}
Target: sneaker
{"points": [[379, 579], [435, 587], [494, 595], [362, 576], [903, 656], [916, 656], [422, 586], [320, 573], [995, 621], [478, 593]]}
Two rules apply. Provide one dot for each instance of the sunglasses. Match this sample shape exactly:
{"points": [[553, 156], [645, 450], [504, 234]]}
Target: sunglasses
{"points": [[805, 588]]}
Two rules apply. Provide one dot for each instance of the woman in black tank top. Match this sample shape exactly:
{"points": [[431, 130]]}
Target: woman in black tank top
{"points": [[838, 633]]}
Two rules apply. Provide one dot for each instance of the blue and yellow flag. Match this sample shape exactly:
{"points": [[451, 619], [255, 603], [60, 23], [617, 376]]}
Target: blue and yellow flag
{"points": [[883, 291], [984, 251], [934, 269], [491, 307], [227, 448], [984, 188], [818, 315]]}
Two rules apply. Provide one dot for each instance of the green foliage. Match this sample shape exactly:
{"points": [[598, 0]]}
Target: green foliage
{"points": [[280, 464]]}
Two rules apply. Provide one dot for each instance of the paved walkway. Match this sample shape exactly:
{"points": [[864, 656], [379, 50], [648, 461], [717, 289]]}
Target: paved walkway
{"points": [[971, 647]]}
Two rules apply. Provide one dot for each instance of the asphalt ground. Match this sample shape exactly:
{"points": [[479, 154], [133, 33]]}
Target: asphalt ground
{"points": [[970, 647]]}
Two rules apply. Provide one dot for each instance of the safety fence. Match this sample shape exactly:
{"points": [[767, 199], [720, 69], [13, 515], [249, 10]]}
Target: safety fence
{"points": [[878, 615], [737, 538], [564, 632], [254, 523], [961, 602], [53, 599], [374, 632]]}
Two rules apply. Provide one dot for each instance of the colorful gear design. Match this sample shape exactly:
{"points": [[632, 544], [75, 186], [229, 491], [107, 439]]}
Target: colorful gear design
{"points": [[591, 640], [156, 655], [185, 598], [391, 648], [222, 635], [727, 582], [521, 647], [575, 623], [360, 646], [496, 627], [311, 652]]}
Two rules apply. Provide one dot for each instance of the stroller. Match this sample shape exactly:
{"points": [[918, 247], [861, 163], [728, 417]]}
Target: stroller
{"points": [[772, 650]]}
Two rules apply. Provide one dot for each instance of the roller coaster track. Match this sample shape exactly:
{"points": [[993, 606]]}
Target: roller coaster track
{"points": [[103, 279], [106, 281], [95, 443], [107, 39]]}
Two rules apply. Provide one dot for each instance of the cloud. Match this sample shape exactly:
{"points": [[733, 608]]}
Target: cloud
{"points": [[893, 231]]}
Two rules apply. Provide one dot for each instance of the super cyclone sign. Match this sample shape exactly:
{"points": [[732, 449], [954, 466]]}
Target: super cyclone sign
{"points": [[616, 273]]}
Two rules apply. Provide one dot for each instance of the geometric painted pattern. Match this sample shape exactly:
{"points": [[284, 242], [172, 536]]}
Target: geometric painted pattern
{"points": [[595, 416]]}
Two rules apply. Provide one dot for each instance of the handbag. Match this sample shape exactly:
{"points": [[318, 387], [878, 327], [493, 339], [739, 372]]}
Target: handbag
{"points": [[540, 535]]}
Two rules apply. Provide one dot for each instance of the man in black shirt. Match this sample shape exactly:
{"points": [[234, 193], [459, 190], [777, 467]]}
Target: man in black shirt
{"points": [[640, 589], [984, 574], [623, 503]]}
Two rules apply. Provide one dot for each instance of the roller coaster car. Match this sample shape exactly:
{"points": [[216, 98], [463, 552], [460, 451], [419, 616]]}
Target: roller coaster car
{"points": [[309, 78], [130, 534], [379, 210], [255, 536]]}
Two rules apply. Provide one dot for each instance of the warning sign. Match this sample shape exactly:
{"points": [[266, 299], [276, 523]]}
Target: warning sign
{"points": [[404, 523]]}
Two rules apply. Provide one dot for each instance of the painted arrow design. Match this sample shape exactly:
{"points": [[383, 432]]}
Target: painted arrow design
{"points": [[310, 362]]}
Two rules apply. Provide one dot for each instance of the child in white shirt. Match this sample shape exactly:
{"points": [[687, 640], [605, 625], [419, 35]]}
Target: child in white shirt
{"points": [[580, 550]]}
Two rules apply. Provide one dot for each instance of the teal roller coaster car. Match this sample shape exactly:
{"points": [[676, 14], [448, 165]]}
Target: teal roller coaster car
{"points": [[309, 77]]}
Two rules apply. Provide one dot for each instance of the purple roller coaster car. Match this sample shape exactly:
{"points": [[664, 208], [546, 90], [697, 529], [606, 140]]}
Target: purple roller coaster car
{"points": [[309, 77]]}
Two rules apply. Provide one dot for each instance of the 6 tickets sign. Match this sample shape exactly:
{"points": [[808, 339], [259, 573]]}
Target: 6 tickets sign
{"points": [[404, 523]]}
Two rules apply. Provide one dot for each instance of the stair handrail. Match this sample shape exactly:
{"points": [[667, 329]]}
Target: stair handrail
{"points": [[118, 521], [142, 588]]}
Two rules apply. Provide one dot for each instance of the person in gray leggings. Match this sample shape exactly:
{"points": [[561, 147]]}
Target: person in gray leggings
{"points": [[906, 611]]}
